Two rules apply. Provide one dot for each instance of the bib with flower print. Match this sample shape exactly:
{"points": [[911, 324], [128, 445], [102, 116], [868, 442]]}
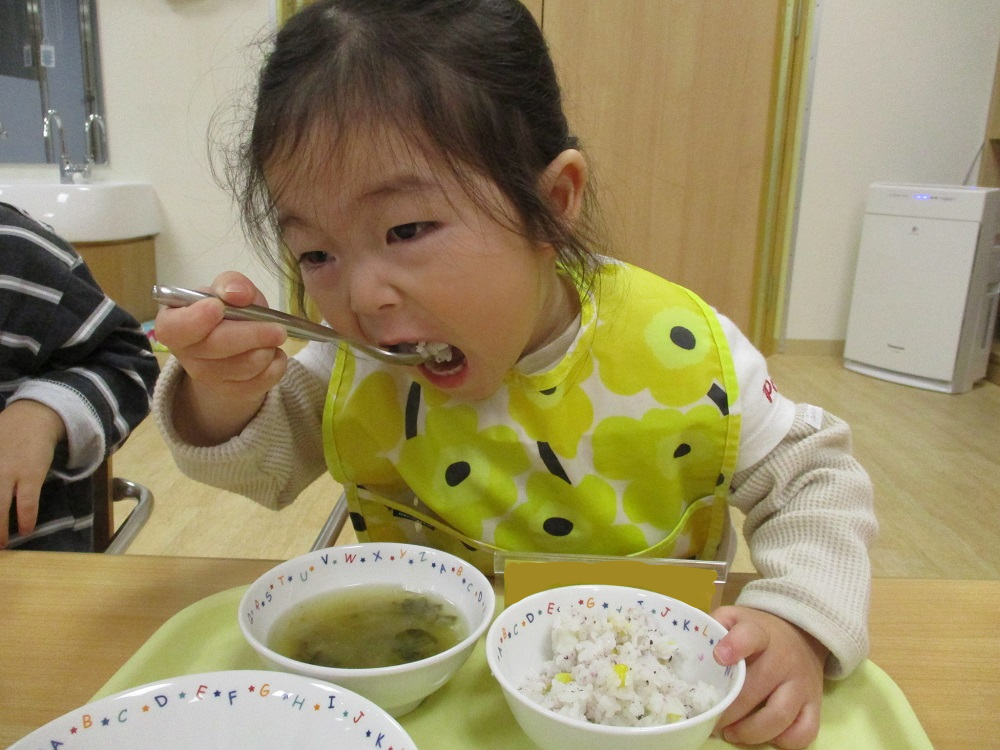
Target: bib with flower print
{"points": [[625, 447]]}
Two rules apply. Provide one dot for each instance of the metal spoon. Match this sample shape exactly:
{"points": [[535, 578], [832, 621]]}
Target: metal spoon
{"points": [[300, 328]]}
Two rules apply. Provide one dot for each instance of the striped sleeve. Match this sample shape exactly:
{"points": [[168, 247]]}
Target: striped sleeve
{"points": [[64, 343]]}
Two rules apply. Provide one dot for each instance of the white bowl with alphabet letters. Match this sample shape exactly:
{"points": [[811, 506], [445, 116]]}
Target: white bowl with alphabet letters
{"points": [[223, 711], [390, 621], [606, 638]]}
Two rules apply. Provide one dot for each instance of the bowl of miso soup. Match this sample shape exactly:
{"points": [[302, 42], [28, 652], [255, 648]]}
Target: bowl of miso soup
{"points": [[390, 621]]}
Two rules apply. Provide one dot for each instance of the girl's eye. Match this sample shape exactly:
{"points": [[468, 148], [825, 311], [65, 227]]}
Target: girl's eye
{"points": [[314, 258], [406, 232]]}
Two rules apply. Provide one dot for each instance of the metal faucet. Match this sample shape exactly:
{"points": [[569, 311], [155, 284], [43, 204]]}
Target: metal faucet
{"points": [[67, 169], [101, 147], [51, 116]]}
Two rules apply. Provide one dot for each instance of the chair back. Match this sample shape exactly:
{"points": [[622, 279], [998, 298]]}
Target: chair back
{"points": [[108, 490]]}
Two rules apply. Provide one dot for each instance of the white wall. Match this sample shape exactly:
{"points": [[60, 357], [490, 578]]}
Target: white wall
{"points": [[900, 94], [168, 67]]}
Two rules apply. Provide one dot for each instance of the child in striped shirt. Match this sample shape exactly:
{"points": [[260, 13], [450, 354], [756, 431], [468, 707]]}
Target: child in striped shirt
{"points": [[76, 375]]}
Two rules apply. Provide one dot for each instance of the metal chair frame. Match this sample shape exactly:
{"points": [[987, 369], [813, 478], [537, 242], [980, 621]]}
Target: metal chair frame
{"points": [[333, 526], [108, 490]]}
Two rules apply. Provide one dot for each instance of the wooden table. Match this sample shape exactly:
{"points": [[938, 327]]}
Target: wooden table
{"points": [[69, 621]]}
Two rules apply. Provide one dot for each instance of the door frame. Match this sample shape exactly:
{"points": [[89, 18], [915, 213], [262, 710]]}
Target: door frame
{"points": [[794, 66]]}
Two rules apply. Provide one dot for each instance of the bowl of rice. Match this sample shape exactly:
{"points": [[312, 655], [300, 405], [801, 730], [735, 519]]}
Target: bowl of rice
{"points": [[596, 667]]}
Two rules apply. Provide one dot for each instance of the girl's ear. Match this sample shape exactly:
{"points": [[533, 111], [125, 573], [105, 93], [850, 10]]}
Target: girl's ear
{"points": [[563, 183]]}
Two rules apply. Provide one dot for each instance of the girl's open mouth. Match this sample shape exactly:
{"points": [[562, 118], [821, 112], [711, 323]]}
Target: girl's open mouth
{"points": [[442, 359]]}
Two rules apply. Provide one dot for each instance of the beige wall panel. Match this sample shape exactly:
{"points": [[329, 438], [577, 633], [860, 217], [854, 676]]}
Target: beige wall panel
{"points": [[672, 99], [535, 6]]}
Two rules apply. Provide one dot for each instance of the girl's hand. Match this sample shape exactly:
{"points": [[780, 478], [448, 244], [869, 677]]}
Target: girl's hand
{"points": [[231, 365], [781, 698]]}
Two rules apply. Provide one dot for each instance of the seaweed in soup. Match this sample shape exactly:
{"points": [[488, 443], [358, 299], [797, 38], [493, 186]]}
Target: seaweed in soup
{"points": [[368, 627]]}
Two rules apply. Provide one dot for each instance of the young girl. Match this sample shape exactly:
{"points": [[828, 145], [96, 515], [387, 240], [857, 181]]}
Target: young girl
{"points": [[413, 159]]}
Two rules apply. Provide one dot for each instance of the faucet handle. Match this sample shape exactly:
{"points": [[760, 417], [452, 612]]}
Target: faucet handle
{"points": [[52, 127], [100, 147]]}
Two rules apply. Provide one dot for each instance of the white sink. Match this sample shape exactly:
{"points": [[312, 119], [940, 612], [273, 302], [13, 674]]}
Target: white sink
{"points": [[89, 212]]}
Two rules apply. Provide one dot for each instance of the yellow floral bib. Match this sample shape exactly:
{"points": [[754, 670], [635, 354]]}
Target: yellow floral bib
{"points": [[626, 447]]}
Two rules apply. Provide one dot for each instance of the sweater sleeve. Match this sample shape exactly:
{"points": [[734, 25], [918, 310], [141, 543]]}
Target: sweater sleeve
{"points": [[809, 522], [276, 456]]}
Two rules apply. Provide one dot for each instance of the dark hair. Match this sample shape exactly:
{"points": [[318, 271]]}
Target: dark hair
{"points": [[471, 80]]}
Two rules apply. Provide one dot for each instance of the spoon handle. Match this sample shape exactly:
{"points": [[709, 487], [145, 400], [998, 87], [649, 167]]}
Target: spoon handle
{"points": [[173, 296]]}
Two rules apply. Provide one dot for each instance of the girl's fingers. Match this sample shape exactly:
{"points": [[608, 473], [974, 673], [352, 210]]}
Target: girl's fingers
{"points": [[745, 638], [244, 369], [233, 338], [753, 694], [200, 333], [261, 366], [781, 697], [181, 327], [237, 289], [783, 720], [802, 731], [272, 374]]}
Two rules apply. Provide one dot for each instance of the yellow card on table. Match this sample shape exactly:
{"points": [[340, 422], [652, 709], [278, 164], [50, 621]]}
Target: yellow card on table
{"points": [[691, 585]]}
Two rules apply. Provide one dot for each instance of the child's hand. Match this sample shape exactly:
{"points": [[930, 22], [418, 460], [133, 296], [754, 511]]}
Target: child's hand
{"points": [[232, 358], [29, 433], [231, 365], [780, 700]]}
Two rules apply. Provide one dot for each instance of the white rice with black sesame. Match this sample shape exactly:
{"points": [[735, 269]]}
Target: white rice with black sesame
{"points": [[436, 350], [616, 669]]}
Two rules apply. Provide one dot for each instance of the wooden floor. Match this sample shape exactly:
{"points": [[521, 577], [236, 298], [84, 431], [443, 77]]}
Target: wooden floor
{"points": [[934, 459]]}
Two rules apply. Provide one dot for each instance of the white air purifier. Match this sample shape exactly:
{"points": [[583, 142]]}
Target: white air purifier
{"points": [[925, 292]]}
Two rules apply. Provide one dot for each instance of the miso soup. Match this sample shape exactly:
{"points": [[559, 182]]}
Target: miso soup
{"points": [[368, 626]]}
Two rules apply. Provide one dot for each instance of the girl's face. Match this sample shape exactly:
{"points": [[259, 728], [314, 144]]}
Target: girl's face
{"points": [[393, 251]]}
